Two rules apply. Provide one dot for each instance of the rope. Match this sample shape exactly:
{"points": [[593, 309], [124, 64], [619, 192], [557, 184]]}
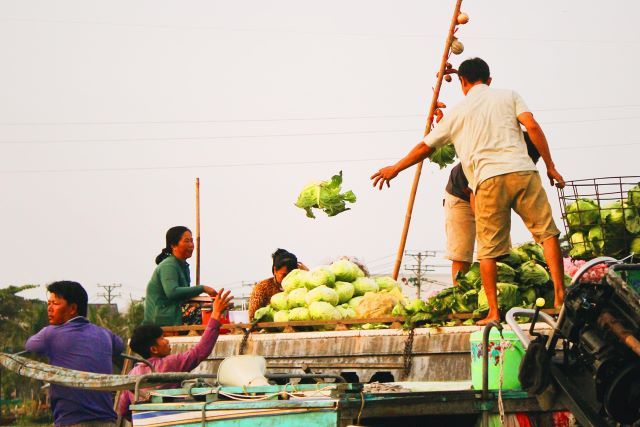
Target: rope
{"points": [[503, 344], [361, 407]]}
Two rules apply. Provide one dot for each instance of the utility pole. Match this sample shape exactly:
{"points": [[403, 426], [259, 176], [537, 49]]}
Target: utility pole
{"points": [[108, 293], [419, 268]]}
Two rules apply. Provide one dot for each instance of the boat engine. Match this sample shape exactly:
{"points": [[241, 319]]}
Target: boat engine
{"points": [[598, 372]]}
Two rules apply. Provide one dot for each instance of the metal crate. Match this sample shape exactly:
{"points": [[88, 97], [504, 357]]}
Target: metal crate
{"points": [[613, 237]]}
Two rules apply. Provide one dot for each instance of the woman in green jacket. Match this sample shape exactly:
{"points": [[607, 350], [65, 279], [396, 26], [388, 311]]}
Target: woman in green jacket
{"points": [[170, 284]]}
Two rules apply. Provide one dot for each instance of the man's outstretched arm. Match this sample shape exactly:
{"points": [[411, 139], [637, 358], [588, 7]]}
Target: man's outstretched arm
{"points": [[416, 155]]}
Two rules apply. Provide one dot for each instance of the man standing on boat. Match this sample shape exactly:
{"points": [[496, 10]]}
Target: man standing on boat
{"points": [[485, 130], [71, 341]]}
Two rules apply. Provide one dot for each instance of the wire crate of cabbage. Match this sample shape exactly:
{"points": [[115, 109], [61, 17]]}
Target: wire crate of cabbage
{"points": [[602, 216]]}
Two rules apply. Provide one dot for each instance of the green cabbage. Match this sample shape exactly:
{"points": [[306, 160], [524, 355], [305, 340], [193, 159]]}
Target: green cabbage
{"points": [[529, 296], [514, 258], [386, 283], [582, 214], [606, 242], [534, 251], [346, 313], [443, 156], [353, 302], [322, 293], [297, 298], [399, 310], [362, 285], [415, 305], [264, 314], [295, 279], [635, 246], [508, 297], [320, 310], [346, 271], [345, 291], [617, 213], [533, 274], [505, 273], [580, 247], [465, 302], [633, 195], [321, 276], [280, 301], [325, 195], [299, 314], [281, 316]]}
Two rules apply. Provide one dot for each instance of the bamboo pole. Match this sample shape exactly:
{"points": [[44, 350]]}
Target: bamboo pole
{"points": [[197, 231], [432, 108]]}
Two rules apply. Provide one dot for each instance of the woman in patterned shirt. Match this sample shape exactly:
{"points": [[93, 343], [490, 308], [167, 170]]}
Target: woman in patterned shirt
{"points": [[283, 263]]}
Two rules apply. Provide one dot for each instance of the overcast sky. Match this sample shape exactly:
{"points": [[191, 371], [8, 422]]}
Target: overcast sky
{"points": [[109, 110]]}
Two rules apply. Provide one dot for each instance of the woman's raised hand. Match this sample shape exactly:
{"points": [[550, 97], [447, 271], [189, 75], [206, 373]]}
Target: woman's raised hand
{"points": [[221, 303]]}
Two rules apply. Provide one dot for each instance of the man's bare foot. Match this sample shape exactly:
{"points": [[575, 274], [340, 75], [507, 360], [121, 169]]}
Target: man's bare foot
{"points": [[558, 299], [489, 318]]}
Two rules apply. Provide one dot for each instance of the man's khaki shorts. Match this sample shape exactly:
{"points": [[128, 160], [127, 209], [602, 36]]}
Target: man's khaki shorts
{"points": [[460, 227], [496, 196]]}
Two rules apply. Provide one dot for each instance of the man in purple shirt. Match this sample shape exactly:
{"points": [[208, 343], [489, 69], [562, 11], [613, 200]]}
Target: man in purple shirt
{"points": [[71, 341], [149, 342]]}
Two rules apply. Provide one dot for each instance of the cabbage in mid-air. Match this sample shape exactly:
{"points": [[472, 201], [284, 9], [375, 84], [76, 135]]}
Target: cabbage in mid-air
{"points": [[325, 195]]}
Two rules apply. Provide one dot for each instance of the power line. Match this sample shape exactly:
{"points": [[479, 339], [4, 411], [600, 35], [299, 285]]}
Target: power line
{"points": [[283, 119], [185, 139], [314, 33], [419, 269], [221, 165]]}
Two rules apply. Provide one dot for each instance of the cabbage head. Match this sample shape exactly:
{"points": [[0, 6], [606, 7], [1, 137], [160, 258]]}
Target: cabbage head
{"points": [[264, 314], [580, 247], [345, 291], [529, 296], [415, 305], [322, 293], [346, 313], [534, 251], [635, 246], [362, 285], [606, 242], [620, 214], [320, 310], [582, 214], [399, 310], [346, 271], [443, 156], [633, 196], [281, 316], [280, 301], [533, 274], [386, 283], [299, 314], [353, 302], [325, 195], [508, 297], [465, 302], [321, 276], [297, 298], [506, 274], [295, 279], [513, 259]]}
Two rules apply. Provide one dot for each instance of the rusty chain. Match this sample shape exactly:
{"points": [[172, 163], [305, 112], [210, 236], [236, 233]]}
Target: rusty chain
{"points": [[245, 338], [407, 355]]}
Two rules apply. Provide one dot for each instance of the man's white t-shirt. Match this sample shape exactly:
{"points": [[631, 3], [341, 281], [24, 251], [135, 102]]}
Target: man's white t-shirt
{"points": [[485, 130]]}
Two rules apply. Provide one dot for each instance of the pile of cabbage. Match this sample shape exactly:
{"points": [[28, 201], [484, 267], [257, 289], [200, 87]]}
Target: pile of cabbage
{"points": [[332, 292], [522, 278], [611, 228]]}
